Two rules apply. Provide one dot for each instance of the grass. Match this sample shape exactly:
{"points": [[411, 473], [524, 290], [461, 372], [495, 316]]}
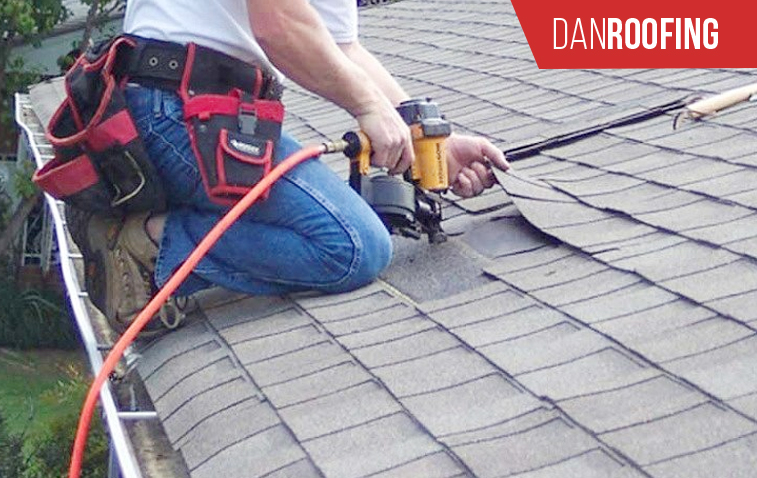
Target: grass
{"points": [[27, 378]]}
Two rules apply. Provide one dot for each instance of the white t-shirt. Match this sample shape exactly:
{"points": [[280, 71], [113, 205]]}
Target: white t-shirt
{"points": [[224, 24]]}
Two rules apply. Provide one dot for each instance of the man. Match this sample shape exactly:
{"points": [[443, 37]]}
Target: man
{"points": [[313, 231]]}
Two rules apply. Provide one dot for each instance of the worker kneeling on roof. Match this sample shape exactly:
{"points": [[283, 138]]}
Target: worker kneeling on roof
{"points": [[195, 88]]}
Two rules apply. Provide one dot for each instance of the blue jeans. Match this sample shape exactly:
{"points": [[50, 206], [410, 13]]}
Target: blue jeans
{"points": [[313, 231]]}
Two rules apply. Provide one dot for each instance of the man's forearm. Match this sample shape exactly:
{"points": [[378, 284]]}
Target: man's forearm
{"points": [[375, 70], [295, 40]]}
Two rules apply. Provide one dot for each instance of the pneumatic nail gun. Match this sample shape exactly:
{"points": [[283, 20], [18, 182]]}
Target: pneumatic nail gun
{"points": [[407, 205]]}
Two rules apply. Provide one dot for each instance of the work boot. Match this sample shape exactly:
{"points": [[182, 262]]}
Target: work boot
{"points": [[119, 264]]}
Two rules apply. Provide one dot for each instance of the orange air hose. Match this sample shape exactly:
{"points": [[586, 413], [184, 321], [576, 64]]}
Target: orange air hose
{"points": [[170, 287]]}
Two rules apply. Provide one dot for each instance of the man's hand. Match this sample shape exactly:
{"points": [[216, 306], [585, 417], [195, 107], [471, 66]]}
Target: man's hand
{"points": [[391, 143], [470, 159]]}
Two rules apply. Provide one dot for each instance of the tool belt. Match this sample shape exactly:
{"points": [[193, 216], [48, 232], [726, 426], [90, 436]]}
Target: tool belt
{"points": [[100, 163], [231, 109]]}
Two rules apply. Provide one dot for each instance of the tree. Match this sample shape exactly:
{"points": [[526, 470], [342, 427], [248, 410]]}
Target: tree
{"points": [[21, 20], [25, 21]]}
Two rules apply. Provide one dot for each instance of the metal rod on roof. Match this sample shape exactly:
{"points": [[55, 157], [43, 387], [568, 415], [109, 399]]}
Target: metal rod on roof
{"points": [[532, 149]]}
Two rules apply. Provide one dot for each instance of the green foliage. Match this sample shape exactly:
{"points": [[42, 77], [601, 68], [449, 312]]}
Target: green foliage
{"points": [[12, 461], [27, 18], [22, 180], [32, 318], [47, 453], [50, 452], [21, 20]]}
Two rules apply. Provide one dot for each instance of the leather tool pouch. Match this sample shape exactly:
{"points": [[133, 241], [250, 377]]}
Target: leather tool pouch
{"points": [[100, 163], [233, 130]]}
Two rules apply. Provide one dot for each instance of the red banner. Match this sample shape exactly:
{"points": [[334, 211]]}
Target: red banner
{"points": [[639, 33]]}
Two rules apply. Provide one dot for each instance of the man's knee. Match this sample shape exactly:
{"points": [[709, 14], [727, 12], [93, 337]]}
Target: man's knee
{"points": [[371, 255]]}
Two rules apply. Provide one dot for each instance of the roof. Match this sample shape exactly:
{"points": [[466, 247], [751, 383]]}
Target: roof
{"points": [[592, 317]]}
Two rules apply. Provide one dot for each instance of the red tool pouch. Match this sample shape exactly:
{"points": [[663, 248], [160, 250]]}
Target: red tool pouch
{"points": [[100, 163], [233, 131]]}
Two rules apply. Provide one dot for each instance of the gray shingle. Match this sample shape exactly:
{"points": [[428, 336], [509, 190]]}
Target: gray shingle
{"points": [[203, 405], [226, 428], [737, 457], [377, 301], [280, 320], [738, 146], [382, 445], [597, 185], [635, 404], [386, 333], [695, 215], [434, 372], [216, 373], [696, 169], [602, 283], [653, 159], [723, 233], [396, 313], [629, 300], [407, 348], [723, 281], [680, 260], [481, 308], [297, 364], [510, 326], [740, 306], [312, 386], [338, 411], [554, 353], [258, 455], [697, 429], [728, 380], [242, 311], [692, 339], [181, 366], [264, 348], [537, 257], [603, 370], [173, 345], [561, 271], [600, 233], [299, 469], [723, 186], [551, 443], [473, 405]]}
